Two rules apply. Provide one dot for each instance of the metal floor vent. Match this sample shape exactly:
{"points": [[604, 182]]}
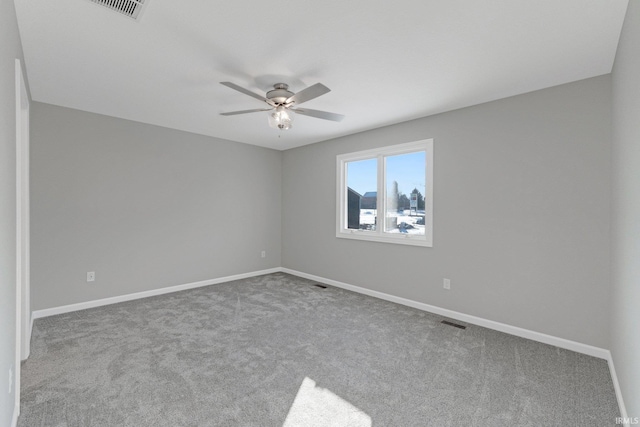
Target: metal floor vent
{"points": [[131, 8], [455, 325]]}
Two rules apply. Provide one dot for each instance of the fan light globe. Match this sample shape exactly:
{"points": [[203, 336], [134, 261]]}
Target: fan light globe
{"points": [[280, 118]]}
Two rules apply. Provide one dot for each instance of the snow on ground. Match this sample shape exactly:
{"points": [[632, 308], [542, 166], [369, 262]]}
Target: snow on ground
{"points": [[406, 223]]}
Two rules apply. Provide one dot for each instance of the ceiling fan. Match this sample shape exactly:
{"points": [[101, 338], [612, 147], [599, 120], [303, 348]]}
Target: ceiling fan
{"points": [[282, 102]]}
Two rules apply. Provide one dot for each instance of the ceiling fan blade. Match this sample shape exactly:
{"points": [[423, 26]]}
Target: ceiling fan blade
{"points": [[247, 92], [233, 113], [307, 94], [319, 114]]}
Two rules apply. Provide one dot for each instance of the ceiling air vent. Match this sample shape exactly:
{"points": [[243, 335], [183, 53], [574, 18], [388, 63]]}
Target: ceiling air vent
{"points": [[131, 8]]}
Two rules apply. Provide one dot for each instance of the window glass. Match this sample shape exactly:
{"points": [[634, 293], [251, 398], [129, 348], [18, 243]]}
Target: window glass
{"points": [[405, 187], [362, 194]]}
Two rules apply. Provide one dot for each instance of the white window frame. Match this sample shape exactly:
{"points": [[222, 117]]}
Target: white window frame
{"points": [[378, 235]]}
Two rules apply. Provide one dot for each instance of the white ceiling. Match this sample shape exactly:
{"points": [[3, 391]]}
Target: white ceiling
{"points": [[385, 62]]}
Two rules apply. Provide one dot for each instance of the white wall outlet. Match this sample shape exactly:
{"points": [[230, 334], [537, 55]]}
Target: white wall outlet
{"points": [[263, 254], [446, 283], [91, 276], [10, 378]]}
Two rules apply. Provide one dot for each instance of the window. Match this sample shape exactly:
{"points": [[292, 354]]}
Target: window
{"points": [[386, 194]]}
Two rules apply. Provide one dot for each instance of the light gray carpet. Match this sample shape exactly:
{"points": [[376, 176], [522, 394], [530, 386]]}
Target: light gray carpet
{"points": [[238, 354]]}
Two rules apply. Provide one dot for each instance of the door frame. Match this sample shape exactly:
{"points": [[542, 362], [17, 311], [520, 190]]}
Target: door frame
{"points": [[23, 252]]}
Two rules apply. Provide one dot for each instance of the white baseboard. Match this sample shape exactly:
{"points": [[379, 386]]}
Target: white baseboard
{"points": [[600, 353], [129, 297], [502, 327], [616, 387]]}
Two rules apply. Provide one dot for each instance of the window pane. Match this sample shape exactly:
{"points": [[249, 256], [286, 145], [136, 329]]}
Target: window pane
{"points": [[362, 194], [405, 184]]}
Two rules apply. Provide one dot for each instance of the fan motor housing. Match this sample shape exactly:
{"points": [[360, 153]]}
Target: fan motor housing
{"points": [[280, 93]]}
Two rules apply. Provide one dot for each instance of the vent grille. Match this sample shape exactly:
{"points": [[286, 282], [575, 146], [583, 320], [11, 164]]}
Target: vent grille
{"points": [[455, 325], [131, 8]]}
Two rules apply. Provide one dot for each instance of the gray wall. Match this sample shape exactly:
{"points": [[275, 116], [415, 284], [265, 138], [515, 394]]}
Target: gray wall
{"points": [[143, 206], [10, 49], [521, 213], [625, 311]]}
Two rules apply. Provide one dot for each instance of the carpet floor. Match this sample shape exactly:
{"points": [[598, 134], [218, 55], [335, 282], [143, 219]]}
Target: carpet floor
{"points": [[276, 350]]}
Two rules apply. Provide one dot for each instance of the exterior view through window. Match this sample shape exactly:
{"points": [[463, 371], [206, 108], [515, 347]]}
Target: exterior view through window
{"points": [[386, 194], [362, 185]]}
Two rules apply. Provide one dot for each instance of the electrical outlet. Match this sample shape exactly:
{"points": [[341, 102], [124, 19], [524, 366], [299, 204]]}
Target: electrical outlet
{"points": [[446, 283], [91, 276], [263, 254]]}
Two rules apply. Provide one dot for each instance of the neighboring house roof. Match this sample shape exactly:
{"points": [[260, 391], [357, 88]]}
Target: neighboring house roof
{"points": [[354, 191]]}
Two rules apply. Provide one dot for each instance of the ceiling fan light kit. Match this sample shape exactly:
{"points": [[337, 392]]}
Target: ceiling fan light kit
{"points": [[280, 118], [282, 101]]}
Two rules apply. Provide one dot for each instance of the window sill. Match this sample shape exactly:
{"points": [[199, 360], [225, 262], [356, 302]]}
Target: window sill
{"points": [[398, 239]]}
